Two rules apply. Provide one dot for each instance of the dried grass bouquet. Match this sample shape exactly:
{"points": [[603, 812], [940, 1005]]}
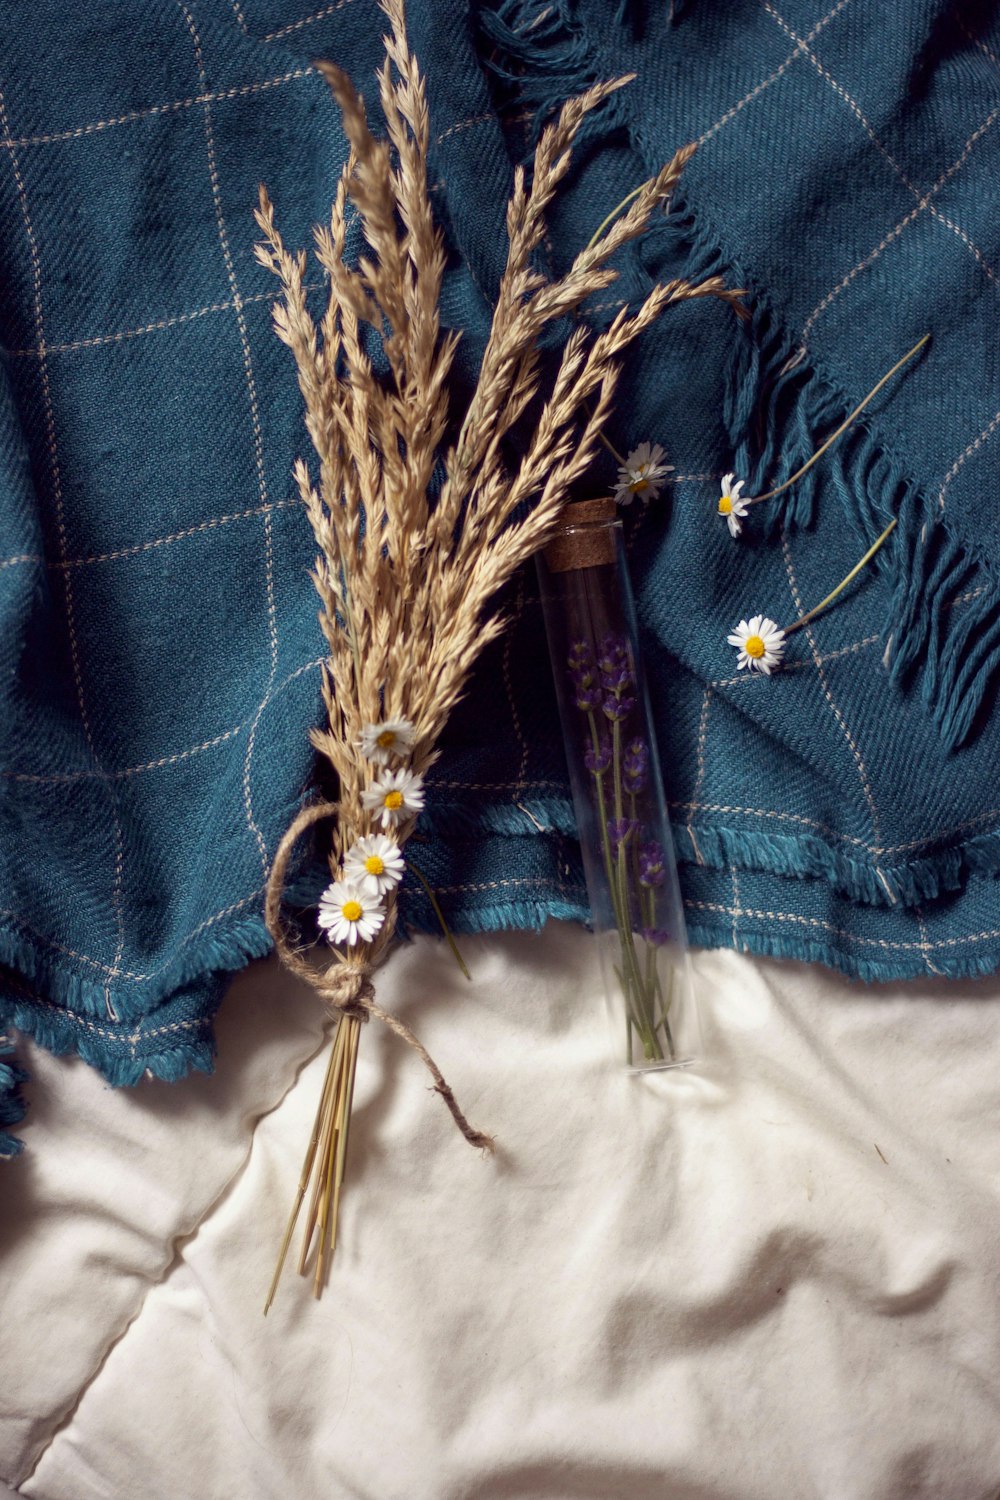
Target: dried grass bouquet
{"points": [[406, 580]]}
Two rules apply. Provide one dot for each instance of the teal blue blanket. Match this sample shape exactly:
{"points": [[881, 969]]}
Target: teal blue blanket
{"points": [[159, 652]]}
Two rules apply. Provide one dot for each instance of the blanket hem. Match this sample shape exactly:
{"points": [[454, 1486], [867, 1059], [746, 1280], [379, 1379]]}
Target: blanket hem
{"points": [[12, 1105], [874, 882], [61, 1029]]}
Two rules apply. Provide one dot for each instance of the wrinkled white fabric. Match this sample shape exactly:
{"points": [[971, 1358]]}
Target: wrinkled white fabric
{"points": [[776, 1277]]}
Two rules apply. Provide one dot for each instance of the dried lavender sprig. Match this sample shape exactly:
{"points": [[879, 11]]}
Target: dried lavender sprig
{"points": [[635, 766]]}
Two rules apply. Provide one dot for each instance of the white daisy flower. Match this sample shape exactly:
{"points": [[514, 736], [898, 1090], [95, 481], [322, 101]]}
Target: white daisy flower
{"points": [[761, 644], [374, 863], [349, 913], [731, 505], [397, 795], [642, 473], [380, 742]]}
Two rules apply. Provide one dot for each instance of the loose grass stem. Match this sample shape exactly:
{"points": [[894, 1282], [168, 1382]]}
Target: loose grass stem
{"points": [[843, 426], [436, 906], [306, 1173], [841, 586], [612, 216], [328, 1112]]}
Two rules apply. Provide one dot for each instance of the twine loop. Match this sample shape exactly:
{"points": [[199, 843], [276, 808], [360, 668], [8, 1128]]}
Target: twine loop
{"points": [[346, 987]]}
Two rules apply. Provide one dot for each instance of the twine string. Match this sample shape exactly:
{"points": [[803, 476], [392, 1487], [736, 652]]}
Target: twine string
{"points": [[346, 987]]}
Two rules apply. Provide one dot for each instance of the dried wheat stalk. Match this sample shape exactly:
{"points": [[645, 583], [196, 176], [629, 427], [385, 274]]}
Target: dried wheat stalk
{"points": [[405, 582]]}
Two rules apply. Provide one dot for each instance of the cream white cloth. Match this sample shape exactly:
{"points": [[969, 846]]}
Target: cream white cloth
{"points": [[775, 1277]]}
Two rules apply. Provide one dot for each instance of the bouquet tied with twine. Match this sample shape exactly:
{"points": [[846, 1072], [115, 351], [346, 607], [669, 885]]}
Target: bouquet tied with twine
{"points": [[405, 577]]}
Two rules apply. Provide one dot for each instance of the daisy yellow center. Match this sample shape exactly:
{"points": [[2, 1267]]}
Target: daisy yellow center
{"points": [[386, 739], [725, 506], [639, 482], [374, 865], [351, 911], [754, 646], [393, 801]]}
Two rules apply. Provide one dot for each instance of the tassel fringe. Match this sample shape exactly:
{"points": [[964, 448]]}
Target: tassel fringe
{"points": [[12, 1106]]}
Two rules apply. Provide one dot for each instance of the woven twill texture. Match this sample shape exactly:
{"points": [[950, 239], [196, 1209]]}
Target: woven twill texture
{"points": [[159, 651]]}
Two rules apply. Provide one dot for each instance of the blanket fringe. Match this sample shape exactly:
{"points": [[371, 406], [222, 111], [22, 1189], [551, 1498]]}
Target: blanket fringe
{"points": [[873, 881], [945, 620], [46, 971], [12, 1105], [901, 967], [540, 58], [527, 815], [60, 1030], [807, 857], [499, 916]]}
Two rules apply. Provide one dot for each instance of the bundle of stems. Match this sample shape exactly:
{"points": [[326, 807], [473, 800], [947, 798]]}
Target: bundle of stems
{"points": [[405, 579]]}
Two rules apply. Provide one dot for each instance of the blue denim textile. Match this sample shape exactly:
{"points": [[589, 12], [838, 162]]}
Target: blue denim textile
{"points": [[159, 652]]}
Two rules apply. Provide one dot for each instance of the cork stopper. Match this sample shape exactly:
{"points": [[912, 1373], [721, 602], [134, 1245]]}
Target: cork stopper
{"points": [[587, 539]]}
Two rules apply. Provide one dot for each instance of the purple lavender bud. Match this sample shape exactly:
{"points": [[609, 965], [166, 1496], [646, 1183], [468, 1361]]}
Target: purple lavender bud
{"points": [[620, 829], [612, 653], [597, 759], [617, 681], [656, 936], [617, 709], [580, 658], [613, 664], [588, 697], [652, 866], [580, 661], [635, 765]]}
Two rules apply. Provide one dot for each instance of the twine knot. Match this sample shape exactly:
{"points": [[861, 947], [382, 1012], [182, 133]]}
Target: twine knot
{"points": [[346, 988]]}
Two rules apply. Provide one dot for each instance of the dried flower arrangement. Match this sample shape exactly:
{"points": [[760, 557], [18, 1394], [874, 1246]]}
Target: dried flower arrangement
{"points": [[405, 580]]}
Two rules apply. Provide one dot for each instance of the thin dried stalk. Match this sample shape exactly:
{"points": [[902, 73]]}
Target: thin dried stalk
{"points": [[406, 583]]}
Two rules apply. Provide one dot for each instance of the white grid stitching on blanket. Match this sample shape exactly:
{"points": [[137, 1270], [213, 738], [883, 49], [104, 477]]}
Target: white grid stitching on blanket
{"points": [[973, 447], [925, 944], [319, 15], [164, 760], [258, 437], [797, 51], [851, 937], [477, 786], [86, 1024], [172, 107], [55, 476], [241, 19], [700, 772], [835, 710], [121, 334], [978, 42], [894, 233], [136, 548], [990, 815], [93, 963], [869, 130]]}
